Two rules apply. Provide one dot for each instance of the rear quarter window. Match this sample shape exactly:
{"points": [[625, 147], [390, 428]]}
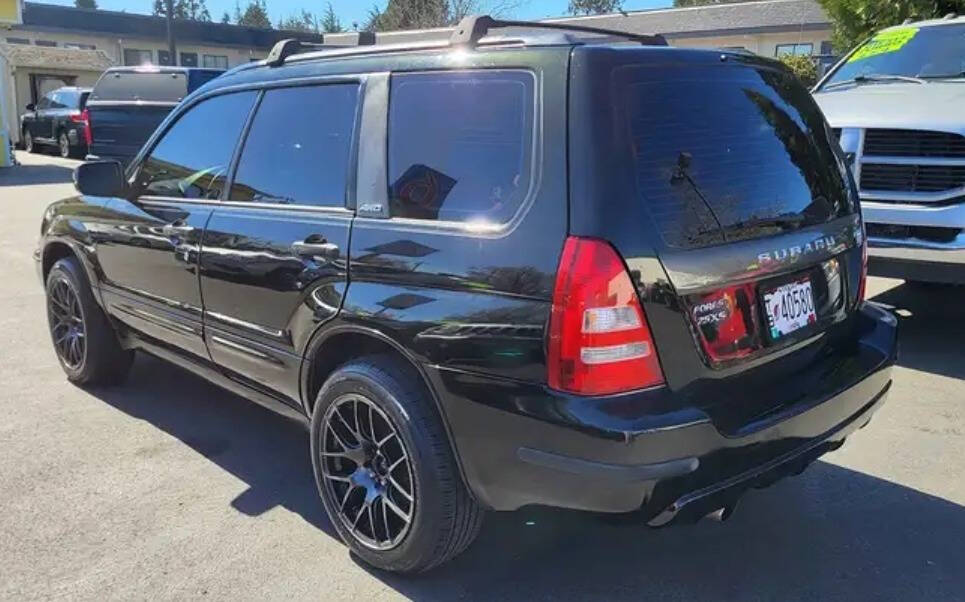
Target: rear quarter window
{"points": [[147, 86], [721, 153], [460, 145]]}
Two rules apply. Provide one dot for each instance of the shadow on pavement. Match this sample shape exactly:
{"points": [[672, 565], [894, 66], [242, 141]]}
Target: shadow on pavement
{"points": [[28, 175], [831, 533], [929, 315]]}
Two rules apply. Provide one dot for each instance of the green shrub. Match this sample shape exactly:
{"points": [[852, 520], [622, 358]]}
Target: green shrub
{"points": [[803, 67]]}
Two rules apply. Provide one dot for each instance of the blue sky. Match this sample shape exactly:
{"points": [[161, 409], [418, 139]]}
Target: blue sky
{"points": [[354, 10]]}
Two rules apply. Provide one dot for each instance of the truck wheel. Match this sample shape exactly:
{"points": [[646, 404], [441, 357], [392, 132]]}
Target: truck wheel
{"points": [[84, 340], [384, 468]]}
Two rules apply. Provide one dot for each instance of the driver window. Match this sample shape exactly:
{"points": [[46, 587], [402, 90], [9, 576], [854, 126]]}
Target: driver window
{"points": [[191, 159]]}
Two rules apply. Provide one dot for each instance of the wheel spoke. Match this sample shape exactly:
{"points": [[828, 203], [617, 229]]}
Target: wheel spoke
{"points": [[339, 478], [348, 492], [375, 535], [372, 424], [350, 429], [399, 488], [338, 438], [385, 439], [358, 516], [395, 464], [385, 519], [398, 511]]}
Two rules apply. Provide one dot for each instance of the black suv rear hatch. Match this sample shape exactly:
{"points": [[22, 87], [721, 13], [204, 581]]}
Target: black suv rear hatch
{"points": [[716, 178]]}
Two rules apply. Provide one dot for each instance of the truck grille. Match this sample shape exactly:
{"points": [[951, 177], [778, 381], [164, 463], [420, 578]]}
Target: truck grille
{"points": [[913, 143], [911, 178]]}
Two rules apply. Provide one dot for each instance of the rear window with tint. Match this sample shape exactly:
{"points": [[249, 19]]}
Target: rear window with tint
{"points": [[727, 153], [157, 87], [460, 145]]}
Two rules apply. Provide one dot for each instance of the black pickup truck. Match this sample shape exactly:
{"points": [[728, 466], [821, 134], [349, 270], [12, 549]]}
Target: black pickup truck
{"points": [[128, 103]]}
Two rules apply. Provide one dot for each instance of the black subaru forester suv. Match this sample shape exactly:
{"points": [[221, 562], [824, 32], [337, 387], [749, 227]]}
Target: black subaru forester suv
{"points": [[547, 268]]}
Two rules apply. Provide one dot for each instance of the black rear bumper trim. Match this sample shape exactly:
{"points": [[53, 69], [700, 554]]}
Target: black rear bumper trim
{"points": [[613, 472]]}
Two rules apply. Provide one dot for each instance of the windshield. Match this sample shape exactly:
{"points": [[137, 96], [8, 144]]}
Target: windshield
{"points": [[936, 51]]}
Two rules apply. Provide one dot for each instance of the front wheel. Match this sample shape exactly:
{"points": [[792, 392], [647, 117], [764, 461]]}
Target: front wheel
{"points": [[385, 471], [84, 340]]}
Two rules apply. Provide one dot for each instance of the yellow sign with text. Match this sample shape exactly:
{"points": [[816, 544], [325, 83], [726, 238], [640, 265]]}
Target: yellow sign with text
{"points": [[886, 41], [10, 12]]}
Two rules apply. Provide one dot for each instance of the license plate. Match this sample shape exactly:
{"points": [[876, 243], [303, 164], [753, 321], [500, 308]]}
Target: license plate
{"points": [[789, 307]]}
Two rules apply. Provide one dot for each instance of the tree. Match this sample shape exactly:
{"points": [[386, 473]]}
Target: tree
{"points": [[855, 20], [255, 15], [594, 7], [423, 14], [226, 18], [803, 67], [330, 22], [92, 4], [303, 22], [186, 10]]}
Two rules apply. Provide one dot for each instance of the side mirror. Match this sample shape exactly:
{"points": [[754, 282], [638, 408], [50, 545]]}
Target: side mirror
{"points": [[100, 178], [31, 107]]}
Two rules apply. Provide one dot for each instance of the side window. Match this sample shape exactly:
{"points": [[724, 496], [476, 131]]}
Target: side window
{"points": [[57, 100], [298, 148], [460, 145], [45, 101], [191, 159]]}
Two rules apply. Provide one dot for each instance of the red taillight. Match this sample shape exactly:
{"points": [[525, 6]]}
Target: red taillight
{"points": [[599, 340], [83, 117]]}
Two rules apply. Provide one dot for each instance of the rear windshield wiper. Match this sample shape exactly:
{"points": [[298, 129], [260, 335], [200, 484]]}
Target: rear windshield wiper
{"points": [[785, 222], [862, 79]]}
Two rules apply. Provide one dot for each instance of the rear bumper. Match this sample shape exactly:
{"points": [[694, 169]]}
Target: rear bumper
{"points": [[521, 444], [915, 259]]}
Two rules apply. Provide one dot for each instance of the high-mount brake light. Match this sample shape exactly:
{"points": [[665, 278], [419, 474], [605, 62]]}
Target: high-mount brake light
{"points": [[599, 340]]}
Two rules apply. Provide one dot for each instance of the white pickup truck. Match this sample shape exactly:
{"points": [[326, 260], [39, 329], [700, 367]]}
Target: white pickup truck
{"points": [[897, 104]]}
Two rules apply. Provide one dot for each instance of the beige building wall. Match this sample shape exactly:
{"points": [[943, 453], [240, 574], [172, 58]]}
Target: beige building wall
{"points": [[114, 46], [764, 44]]}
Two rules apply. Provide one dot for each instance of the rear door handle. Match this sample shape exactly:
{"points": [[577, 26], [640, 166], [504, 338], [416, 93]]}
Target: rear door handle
{"points": [[176, 229], [313, 247]]}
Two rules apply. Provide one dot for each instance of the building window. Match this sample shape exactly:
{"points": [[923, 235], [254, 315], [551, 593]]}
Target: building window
{"points": [[214, 61], [48, 43], [134, 57], [164, 57], [189, 59], [18, 41], [80, 46], [827, 48], [795, 49]]}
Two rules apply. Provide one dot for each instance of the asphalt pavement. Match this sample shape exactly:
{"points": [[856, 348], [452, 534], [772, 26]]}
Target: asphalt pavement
{"points": [[170, 488]]}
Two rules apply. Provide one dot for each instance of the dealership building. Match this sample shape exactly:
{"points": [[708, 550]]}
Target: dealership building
{"points": [[53, 46]]}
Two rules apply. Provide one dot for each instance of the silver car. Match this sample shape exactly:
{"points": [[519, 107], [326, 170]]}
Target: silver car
{"points": [[897, 104]]}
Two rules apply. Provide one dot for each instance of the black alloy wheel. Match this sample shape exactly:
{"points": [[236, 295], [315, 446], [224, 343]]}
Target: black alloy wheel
{"points": [[366, 467], [67, 327]]}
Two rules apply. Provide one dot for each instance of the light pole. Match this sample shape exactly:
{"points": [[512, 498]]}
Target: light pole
{"points": [[169, 9]]}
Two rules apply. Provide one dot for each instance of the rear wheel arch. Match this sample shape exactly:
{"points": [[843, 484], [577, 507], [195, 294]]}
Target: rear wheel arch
{"points": [[335, 346]]}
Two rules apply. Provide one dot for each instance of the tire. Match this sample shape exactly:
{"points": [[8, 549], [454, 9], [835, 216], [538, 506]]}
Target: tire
{"points": [[443, 517], [63, 145], [96, 358], [28, 142]]}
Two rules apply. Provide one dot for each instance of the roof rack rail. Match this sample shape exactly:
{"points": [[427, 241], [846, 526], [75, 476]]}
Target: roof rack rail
{"points": [[285, 48], [473, 28]]}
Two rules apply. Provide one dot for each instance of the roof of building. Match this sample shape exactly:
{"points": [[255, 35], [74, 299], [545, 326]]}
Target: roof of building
{"points": [[714, 19], [54, 17], [48, 57]]}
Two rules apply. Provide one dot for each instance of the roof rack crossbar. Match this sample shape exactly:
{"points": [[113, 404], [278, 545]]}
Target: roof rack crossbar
{"points": [[473, 28], [285, 48]]}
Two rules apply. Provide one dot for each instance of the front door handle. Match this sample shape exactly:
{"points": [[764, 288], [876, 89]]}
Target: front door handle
{"points": [[176, 229], [315, 247]]}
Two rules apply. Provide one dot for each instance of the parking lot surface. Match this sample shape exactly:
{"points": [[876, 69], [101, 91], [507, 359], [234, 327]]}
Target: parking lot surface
{"points": [[170, 488]]}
